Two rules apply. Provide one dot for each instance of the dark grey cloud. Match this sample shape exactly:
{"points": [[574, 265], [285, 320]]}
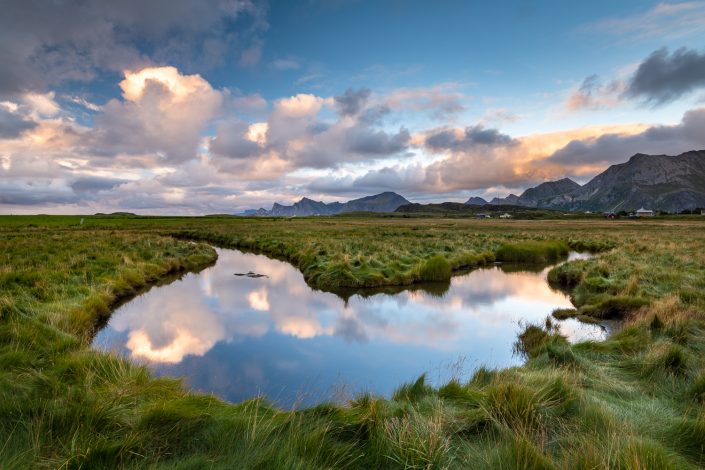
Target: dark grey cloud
{"points": [[365, 141], [340, 144], [473, 136], [665, 77], [35, 192], [352, 101], [403, 180], [94, 184], [689, 134], [230, 141], [42, 42], [13, 124], [374, 114]]}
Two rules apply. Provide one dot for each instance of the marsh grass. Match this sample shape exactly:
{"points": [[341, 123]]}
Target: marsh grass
{"points": [[436, 268], [532, 251], [634, 400]]}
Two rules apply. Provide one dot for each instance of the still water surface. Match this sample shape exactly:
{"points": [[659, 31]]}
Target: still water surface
{"points": [[239, 337]]}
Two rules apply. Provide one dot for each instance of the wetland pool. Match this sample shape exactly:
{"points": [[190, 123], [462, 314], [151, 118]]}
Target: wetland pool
{"points": [[240, 336]]}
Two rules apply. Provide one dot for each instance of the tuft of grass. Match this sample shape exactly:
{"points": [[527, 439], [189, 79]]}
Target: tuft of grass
{"points": [[413, 392], [534, 338], [436, 268], [564, 313], [619, 307], [532, 251], [668, 358], [697, 390]]}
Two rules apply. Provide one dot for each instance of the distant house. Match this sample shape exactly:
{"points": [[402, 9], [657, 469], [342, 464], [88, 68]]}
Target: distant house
{"points": [[610, 215], [483, 216], [702, 212], [644, 213], [505, 216]]}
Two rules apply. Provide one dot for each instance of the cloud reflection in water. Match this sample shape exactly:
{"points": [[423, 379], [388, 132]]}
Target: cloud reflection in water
{"points": [[238, 336]]}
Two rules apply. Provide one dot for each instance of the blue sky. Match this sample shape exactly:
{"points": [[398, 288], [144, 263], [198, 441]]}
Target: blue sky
{"points": [[223, 105]]}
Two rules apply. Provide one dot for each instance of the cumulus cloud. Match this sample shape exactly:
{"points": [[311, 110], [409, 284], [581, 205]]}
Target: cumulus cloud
{"points": [[296, 136], [163, 112], [664, 77]]}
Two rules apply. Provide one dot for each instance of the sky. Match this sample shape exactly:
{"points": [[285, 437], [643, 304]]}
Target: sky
{"points": [[218, 106]]}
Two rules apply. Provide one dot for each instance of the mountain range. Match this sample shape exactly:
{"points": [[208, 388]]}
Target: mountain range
{"points": [[658, 182], [383, 202]]}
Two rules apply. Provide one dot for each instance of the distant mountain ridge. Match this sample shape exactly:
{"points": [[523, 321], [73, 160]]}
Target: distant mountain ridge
{"points": [[383, 202], [533, 197], [658, 182]]}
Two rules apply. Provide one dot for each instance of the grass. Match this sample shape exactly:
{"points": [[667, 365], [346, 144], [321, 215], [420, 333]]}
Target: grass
{"points": [[634, 400], [532, 251]]}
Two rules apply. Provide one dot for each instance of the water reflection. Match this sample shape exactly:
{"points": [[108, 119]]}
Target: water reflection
{"points": [[239, 337]]}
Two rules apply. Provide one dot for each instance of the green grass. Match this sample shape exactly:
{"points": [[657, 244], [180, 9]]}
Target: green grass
{"points": [[632, 401], [436, 268], [532, 251]]}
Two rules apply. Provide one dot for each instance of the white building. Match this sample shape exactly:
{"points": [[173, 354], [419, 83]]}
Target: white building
{"points": [[644, 213]]}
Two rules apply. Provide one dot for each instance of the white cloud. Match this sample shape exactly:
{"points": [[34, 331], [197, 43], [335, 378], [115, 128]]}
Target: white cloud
{"points": [[42, 104], [164, 113]]}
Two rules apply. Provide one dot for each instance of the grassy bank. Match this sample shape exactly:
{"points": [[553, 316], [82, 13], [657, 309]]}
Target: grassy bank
{"points": [[636, 400]]}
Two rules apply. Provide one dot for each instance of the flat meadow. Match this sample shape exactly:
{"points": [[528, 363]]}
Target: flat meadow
{"points": [[635, 400]]}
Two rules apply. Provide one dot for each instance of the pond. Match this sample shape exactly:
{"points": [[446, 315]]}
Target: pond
{"points": [[240, 336]]}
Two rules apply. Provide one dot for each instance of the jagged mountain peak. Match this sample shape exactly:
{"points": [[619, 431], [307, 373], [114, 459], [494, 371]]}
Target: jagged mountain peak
{"points": [[659, 182]]}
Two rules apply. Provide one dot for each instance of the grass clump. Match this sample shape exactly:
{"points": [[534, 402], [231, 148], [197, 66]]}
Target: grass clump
{"points": [[413, 392], [697, 389], [532, 251], [436, 268], [618, 307], [567, 275], [564, 313], [534, 338]]}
